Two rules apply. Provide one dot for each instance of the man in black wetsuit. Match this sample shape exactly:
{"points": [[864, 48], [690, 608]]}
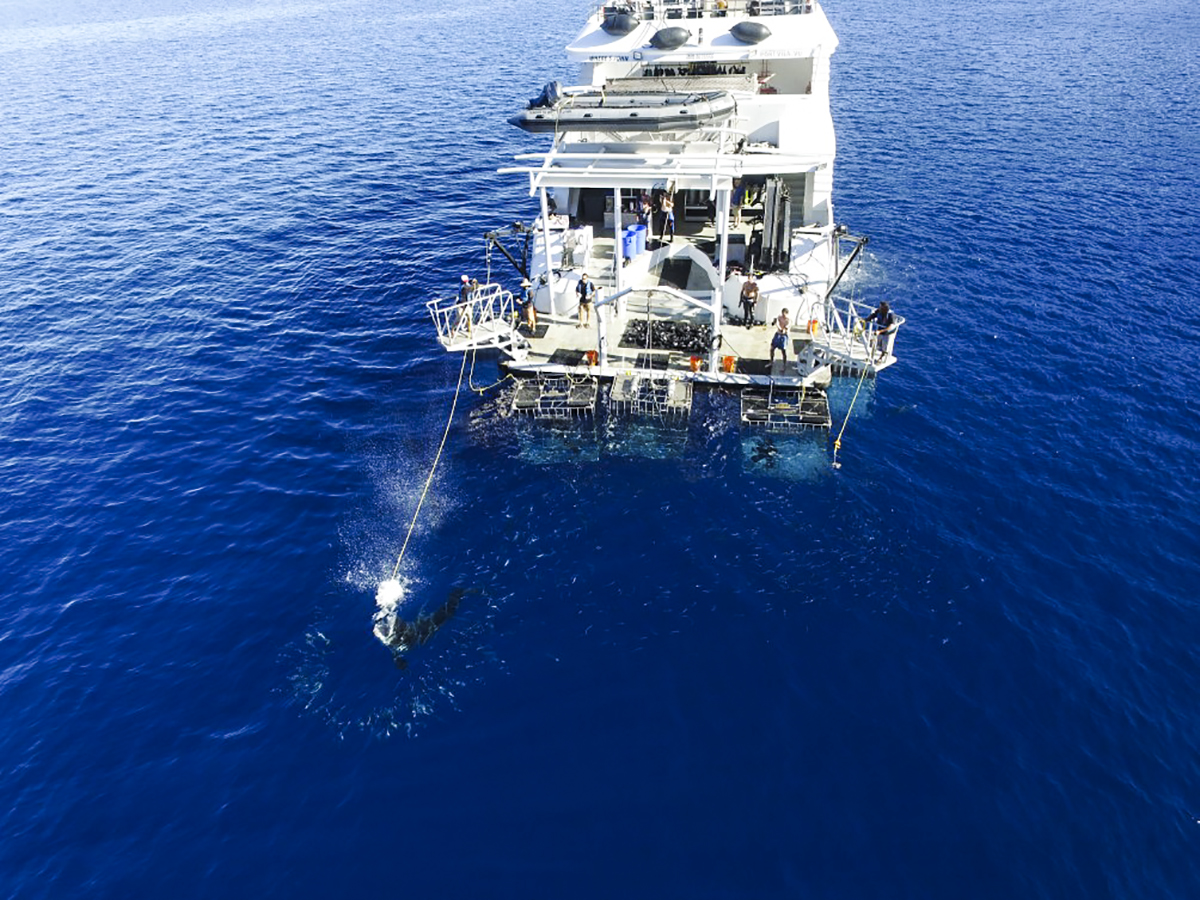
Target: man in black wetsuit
{"points": [[402, 636]]}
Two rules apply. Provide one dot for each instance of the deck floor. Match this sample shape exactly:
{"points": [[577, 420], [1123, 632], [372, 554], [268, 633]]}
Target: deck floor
{"points": [[561, 341]]}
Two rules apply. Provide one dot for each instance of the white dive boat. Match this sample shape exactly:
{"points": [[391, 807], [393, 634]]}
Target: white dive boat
{"points": [[716, 111]]}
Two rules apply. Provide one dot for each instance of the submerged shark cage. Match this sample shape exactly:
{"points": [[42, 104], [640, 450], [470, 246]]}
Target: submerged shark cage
{"points": [[636, 394], [556, 397], [787, 410]]}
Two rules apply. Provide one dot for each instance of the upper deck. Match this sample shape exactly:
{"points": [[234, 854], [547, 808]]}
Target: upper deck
{"points": [[626, 32], [701, 9]]}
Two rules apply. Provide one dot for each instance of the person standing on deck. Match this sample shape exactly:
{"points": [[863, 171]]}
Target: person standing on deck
{"points": [[463, 321], [569, 242], [586, 292], [667, 204], [779, 339], [739, 197], [885, 319], [527, 305], [749, 298]]}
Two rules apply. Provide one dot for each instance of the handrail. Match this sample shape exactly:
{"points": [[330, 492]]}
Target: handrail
{"points": [[488, 311], [695, 9], [867, 337]]}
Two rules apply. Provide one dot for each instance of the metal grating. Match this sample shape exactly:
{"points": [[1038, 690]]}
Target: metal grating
{"points": [[785, 409], [641, 395], [556, 397]]}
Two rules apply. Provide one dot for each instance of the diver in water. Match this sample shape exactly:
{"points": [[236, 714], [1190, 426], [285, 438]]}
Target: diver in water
{"points": [[766, 453], [401, 636]]}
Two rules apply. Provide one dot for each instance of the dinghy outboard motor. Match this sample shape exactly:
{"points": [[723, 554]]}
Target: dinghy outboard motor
{"points": [[550, 95], [750, 32], [620, 22], [670, 38]]}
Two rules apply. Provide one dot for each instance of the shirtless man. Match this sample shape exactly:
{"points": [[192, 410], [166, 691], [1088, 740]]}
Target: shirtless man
{"points": [[779, 339], [667, 205]]}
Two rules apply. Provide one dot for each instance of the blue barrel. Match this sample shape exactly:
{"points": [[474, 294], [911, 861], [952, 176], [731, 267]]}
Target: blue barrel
{"points": [[640, 231], [629, 242]]}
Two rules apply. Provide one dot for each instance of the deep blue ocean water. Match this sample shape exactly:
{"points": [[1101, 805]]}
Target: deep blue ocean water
{"points": [[962, 665]]}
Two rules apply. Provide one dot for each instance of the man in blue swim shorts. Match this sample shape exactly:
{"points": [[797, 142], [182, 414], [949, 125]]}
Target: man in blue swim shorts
{"points": [[779, 339]]}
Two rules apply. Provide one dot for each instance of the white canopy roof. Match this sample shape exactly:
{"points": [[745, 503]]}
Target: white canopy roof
{"points": [[701, 169]]}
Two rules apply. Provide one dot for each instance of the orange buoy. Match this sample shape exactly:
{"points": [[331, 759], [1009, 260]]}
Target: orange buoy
{"points": [[729, 363], [695, 361]]}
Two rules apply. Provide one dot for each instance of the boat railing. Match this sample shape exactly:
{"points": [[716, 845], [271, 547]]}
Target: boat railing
{"points": [[697, 9], [485, 318], [848, 330]]}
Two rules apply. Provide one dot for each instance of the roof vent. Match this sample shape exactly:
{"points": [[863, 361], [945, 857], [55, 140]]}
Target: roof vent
{"points": [[750, 32], [670, 38]]}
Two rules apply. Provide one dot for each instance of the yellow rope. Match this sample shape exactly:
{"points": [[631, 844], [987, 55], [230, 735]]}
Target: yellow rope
{"points": [[471, 377], [433, 468], [837, 443]]}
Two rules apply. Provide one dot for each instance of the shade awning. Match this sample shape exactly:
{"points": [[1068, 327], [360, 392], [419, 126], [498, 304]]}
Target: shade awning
{"points": [[711, 172]]}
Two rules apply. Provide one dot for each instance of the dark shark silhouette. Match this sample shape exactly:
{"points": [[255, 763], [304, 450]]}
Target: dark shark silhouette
{"points": [[404, 636], [766, 453]]}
